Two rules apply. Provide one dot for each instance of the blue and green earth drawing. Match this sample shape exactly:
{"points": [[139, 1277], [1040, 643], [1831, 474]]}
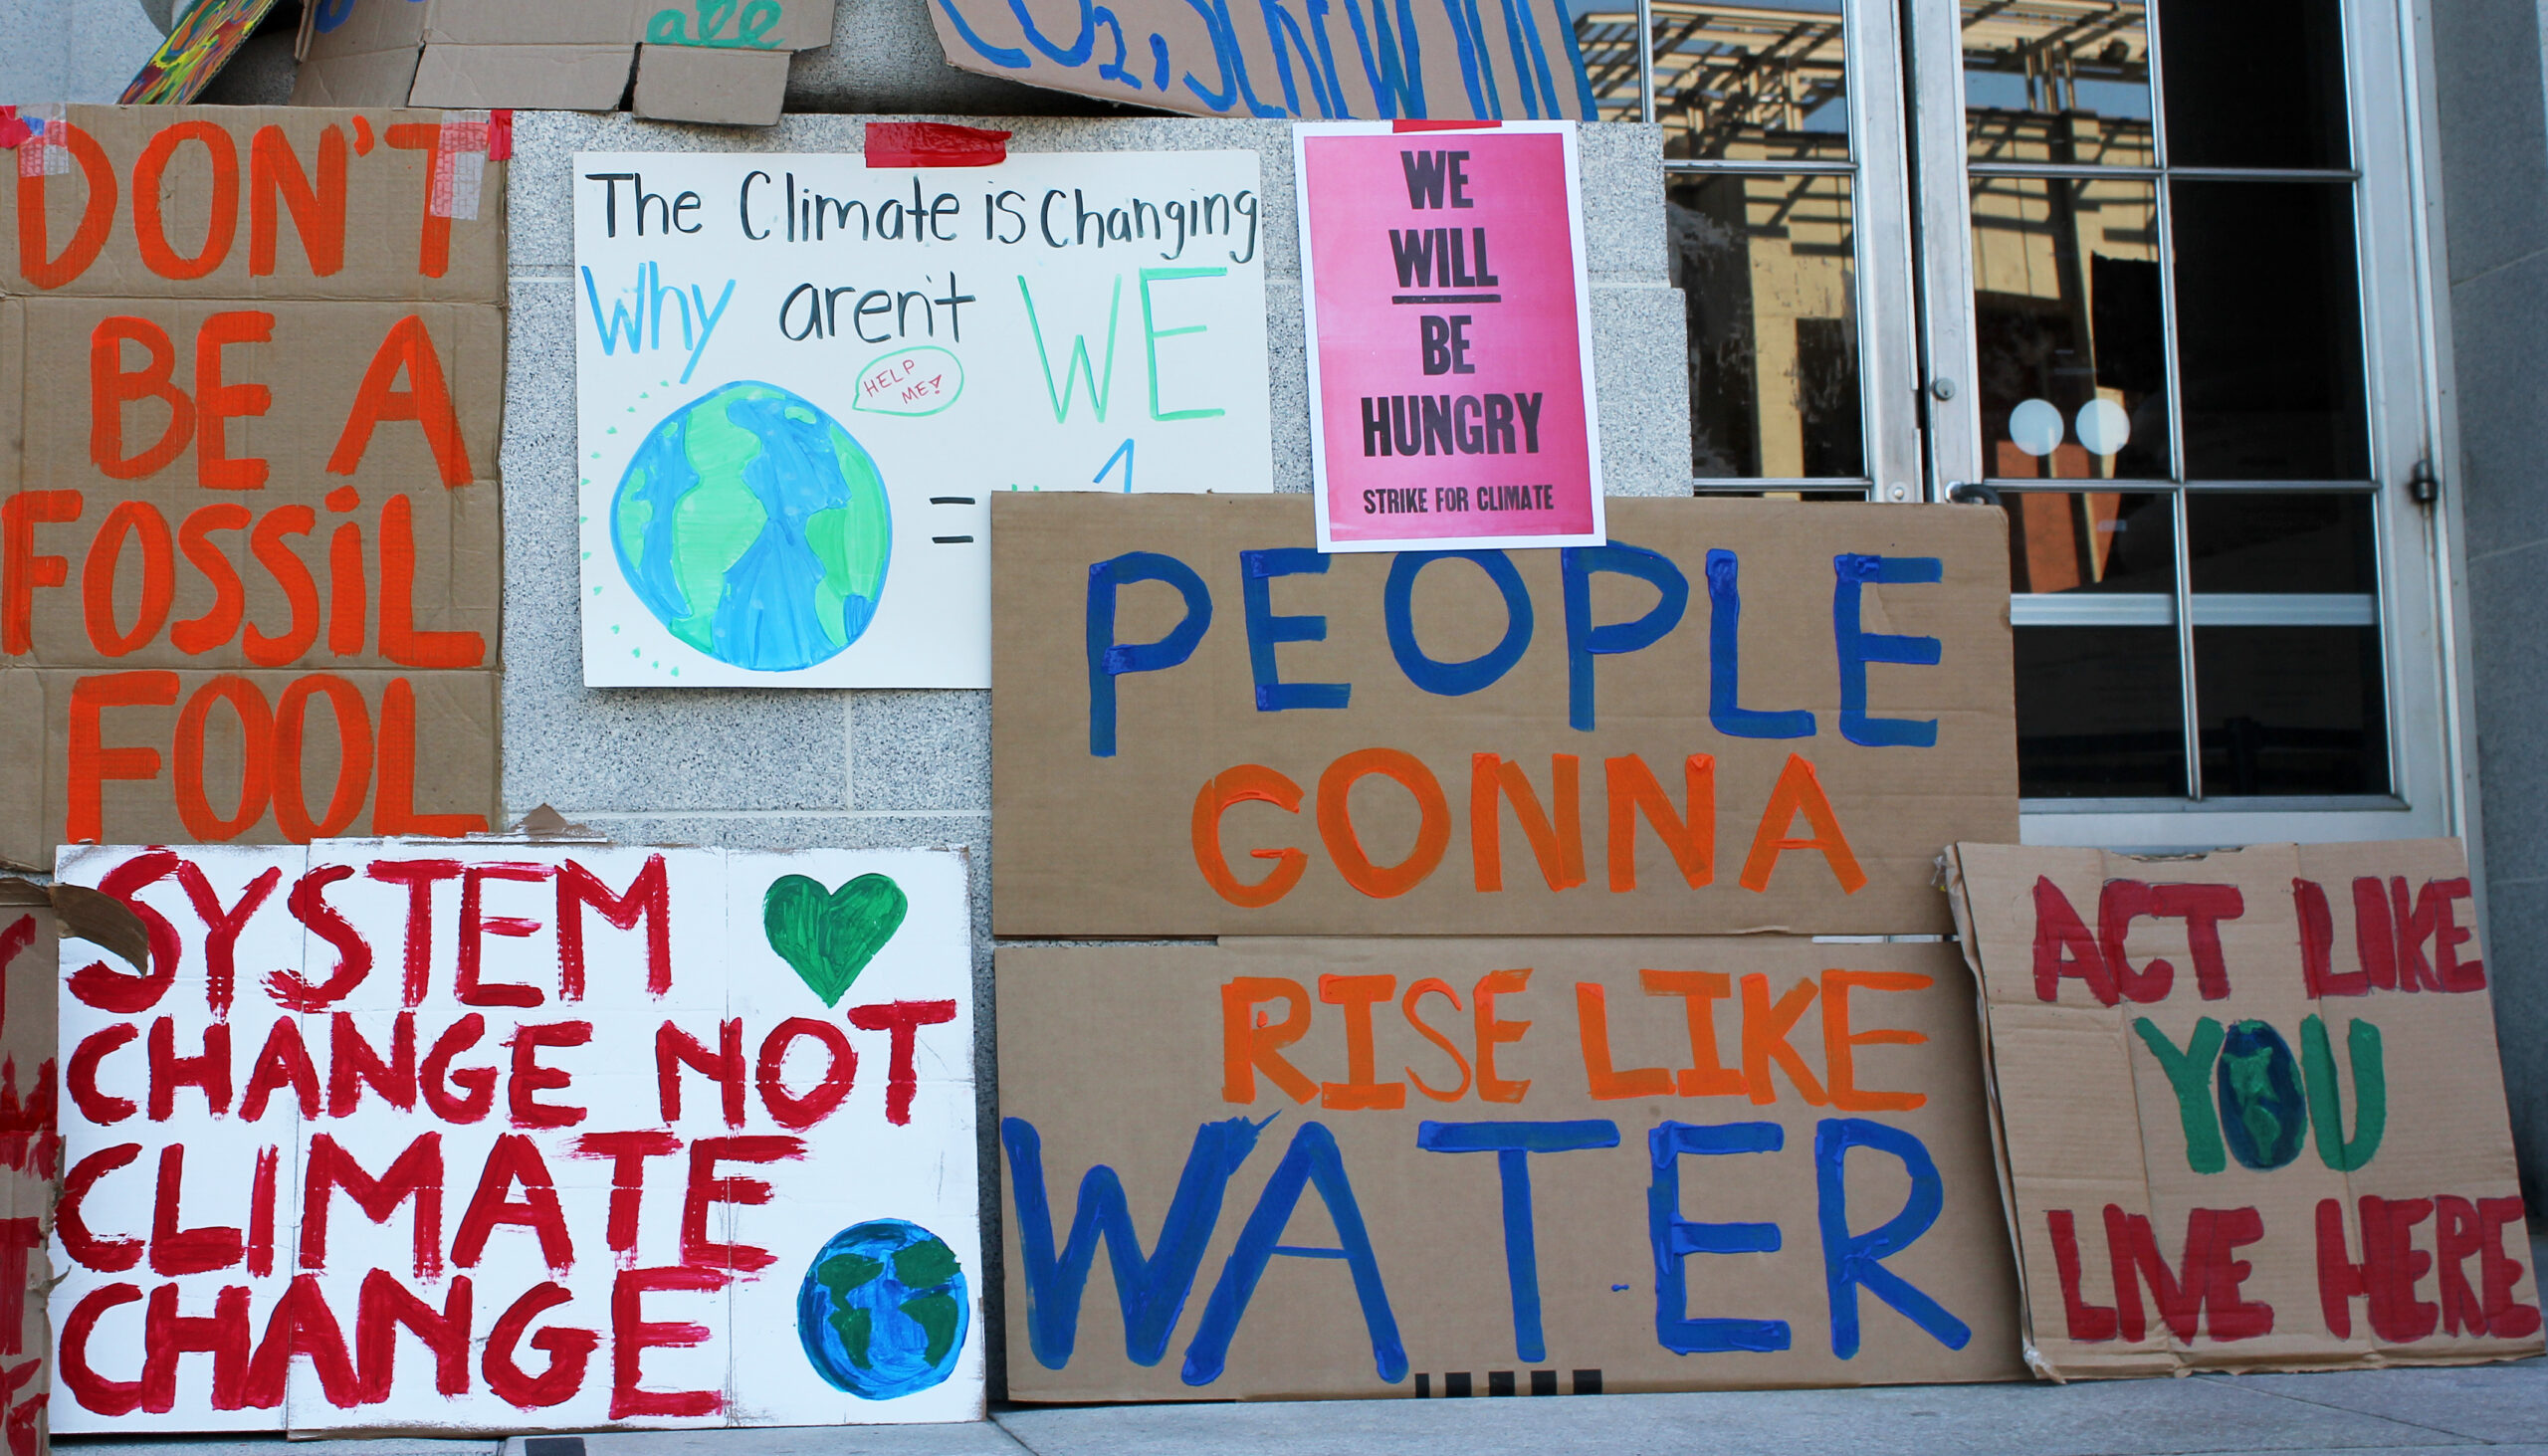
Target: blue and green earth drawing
{"points": [[754, 527], [882, 1310]]}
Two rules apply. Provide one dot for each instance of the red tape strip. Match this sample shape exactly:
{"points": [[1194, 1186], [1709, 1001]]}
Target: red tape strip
{"points": [[13, 130], [499, 136], [933, 144]]}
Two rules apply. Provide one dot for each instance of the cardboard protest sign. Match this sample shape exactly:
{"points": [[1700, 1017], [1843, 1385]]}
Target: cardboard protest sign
{"points": [[250, 525], [1711, 1164], [715, 61], [469, 1138], [2249, 1108], [1450, 338], [29, 1160], [800, 379], [1738, 716], [1416, 59], [198, 46]]}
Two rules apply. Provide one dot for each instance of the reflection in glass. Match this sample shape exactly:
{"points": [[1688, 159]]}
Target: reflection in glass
{"points": [[2290, 709], [1606, 37], [2056, 80], [2096, 540], [1767, 273], [2268, 331], [1753, 81], [2255, 84], [2100, 713], [2068, 329], [2280, 541]]}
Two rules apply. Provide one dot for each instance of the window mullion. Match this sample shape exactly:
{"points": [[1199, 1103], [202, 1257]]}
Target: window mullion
{"points": [[2185, 649]]}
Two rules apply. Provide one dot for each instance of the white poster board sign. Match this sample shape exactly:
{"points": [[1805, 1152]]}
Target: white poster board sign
{"points": [[800, 378], [424, 1136]]}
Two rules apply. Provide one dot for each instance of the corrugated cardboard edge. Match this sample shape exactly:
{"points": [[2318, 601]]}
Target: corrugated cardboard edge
{"points": [[1951, 873]]}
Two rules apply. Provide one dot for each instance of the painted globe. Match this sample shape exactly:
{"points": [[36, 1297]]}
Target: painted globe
{"points": [[2265, 1113], [754, 529], [882, 1310]]}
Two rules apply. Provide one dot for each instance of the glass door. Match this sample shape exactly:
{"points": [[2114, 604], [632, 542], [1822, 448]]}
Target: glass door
{"points": [[2153, 278], [1787, 223], [2173, 322]]}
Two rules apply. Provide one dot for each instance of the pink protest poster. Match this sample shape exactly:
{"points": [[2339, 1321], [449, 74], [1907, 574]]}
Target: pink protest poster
{"points": [[1450, 335]]}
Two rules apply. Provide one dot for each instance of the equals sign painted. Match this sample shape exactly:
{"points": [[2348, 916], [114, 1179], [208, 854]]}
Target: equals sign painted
{"points": [[952, 540]]}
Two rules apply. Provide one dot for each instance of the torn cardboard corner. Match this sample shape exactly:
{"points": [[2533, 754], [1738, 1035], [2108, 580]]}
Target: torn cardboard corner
{"points": [[101, 920], [719, 62], [2248, 1108], [547, 823]]}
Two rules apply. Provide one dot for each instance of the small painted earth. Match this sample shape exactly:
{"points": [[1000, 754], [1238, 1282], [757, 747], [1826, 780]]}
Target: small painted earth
{"points": [[882, 1310], [754, 527], [2265, 1112]]}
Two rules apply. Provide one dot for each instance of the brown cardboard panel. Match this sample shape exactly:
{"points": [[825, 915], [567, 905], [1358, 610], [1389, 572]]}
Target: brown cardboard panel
{"points": [[30, 1157], [564, 55], [13, 338], [558, 78], [286, 492], [22, 793], [398, 575], [166, 202], [341, 401], [1392, 1060], [2277, 1066], [155, 756], [356, 79], [507, 23], [1113, 844], [717, 87], [1224, 63]]}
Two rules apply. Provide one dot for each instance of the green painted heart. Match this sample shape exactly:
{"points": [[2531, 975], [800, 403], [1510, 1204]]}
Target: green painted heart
{"points": [[829, 936]]}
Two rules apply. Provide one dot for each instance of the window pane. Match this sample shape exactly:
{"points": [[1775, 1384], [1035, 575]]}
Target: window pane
{"points": [[2290, 709], [1606, 37], [1758, 80], [2100, 713], [2268, 331], [1767, 274], [2280, 541], [2253, 82], [2069, 329], [2093, 542], [2056, 80]]}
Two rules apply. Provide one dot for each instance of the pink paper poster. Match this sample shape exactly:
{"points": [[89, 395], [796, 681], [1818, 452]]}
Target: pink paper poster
{"points": [[1442, 273]]}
